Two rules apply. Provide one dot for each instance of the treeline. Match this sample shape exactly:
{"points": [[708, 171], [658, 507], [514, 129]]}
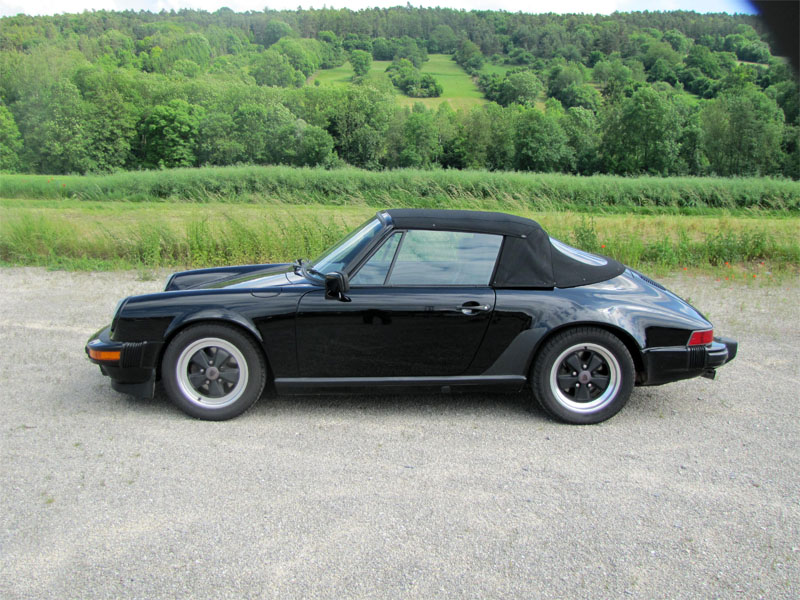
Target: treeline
{"points": [[655, 93]]}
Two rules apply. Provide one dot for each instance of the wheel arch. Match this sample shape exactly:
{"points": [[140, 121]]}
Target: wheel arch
{"points": [[240, 324], [625, 337]]}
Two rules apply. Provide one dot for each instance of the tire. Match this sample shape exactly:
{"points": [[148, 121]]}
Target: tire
{"points": [[205, 390], [583, 376]]}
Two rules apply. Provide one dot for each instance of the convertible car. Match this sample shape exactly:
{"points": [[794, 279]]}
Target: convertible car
{"points": [[434, 299]]}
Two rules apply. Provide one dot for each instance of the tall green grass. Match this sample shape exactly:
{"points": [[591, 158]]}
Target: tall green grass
{"points": [[96, 235], [414, 188]]}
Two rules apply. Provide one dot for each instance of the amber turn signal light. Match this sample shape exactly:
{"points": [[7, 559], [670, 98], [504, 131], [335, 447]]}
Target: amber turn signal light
{"points": [[701, 338], [104, 354]]}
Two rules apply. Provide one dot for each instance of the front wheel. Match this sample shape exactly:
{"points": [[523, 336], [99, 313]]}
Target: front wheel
{"points": [[584, 375], [213, 372]]}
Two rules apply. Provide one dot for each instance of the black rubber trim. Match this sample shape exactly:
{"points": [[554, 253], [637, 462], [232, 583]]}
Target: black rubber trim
{"points": [[132, 353], [143, 389], [732, 346], [289, 383], [717, 354], [697, 357]]}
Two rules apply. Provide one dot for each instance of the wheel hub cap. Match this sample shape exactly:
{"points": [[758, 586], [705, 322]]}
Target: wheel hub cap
{"points": [[212, 373], [585, 378]]}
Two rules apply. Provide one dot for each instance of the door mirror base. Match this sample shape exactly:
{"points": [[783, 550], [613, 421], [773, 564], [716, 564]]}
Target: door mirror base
{"points": [[336, 284]]}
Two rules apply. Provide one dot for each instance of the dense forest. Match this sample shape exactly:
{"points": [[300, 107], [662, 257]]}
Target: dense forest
{"points": [[662, 93]]}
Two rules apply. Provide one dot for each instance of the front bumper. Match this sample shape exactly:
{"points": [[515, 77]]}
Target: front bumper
{"points": [[134, 372], [663, 365]]}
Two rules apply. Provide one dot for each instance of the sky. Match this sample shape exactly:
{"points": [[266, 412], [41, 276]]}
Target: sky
{"points": [[49, 7]]}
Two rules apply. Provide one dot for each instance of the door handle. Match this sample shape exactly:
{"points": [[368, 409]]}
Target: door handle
{"points": [[472, 308]]}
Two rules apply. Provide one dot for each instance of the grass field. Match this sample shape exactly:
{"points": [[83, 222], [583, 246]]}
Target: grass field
{"points": [[78, 234], [510, 191], [210, 216], [457, 86]]}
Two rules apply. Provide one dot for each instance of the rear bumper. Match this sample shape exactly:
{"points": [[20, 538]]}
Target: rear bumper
{"points": [[134, 372], [663, 365]]}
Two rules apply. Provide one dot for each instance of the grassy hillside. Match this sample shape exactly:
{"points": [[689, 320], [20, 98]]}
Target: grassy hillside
{"points": [[458, 88]]}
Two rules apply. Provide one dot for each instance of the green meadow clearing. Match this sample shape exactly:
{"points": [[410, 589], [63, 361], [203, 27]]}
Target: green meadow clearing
{"points": [[458, 88]]}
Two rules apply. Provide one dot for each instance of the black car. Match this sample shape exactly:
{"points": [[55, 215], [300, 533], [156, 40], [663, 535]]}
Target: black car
{"points": [[433, 299]]}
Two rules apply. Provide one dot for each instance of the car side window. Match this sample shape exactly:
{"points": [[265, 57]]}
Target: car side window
{"points": [[445, 258], [374, 271]]}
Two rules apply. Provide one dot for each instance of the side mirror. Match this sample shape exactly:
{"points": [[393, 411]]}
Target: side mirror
{"points": [[336, 284]]}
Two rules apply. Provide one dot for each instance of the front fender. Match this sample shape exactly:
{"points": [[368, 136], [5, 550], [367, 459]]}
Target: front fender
{"points": [[218, 315]]}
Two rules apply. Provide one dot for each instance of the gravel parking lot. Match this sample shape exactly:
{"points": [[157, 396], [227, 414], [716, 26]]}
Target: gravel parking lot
{"points": [[692, 491]]}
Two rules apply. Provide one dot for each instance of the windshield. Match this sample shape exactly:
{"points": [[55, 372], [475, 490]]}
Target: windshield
{"points": [[344, 251]]}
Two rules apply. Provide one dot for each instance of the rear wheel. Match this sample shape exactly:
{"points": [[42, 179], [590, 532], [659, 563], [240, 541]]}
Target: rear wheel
{"points": [[584, 375], [213, 372]]}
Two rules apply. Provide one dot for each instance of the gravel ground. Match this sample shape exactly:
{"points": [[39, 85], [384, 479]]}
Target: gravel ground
{"points": [[691, 491]]}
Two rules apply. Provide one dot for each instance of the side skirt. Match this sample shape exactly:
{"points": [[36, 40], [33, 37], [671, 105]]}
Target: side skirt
{"points": [[318, 385]]}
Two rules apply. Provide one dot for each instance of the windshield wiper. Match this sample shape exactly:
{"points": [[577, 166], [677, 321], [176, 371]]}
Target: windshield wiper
{"points": [[297, 265], [302, 265], [313, 271]]}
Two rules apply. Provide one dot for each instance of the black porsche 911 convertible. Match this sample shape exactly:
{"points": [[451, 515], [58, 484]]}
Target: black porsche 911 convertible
{"points": [[432, 299]]}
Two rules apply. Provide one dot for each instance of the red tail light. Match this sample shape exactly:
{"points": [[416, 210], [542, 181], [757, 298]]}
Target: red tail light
{"points": [[701, 338]]}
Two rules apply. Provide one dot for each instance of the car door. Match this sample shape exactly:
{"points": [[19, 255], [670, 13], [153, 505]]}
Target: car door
{"points": [[419, 307]]}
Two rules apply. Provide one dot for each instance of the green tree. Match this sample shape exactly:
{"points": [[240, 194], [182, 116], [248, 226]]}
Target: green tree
{"points": [[640, 134], [705, 60], [452, 137], [111, 129], [787, 95], [193, 47], [584, 96], [314, 147], [216, 142], [169, 134], [253, 126], [582, 128], [53, 128], [614, 77], [10, 141], [271, 68], [358, 123], [469, 56], [521, 88], [303, 54], [742, 132], [662, 71], [679, 42], [272, 32], [561, 77], [420, 140], [361, 60], [443, 39], [540, 143]]}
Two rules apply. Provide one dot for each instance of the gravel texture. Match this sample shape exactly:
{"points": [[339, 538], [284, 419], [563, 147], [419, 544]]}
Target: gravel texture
{"points": [[692, 491]]}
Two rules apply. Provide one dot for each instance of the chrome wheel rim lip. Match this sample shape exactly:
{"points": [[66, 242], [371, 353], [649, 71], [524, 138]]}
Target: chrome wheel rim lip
{"points": [[598, 403], [195, 394]]}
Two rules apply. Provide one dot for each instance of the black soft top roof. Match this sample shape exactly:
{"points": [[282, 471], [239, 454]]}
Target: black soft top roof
{"points": [[528, 258], [462, 220]]}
